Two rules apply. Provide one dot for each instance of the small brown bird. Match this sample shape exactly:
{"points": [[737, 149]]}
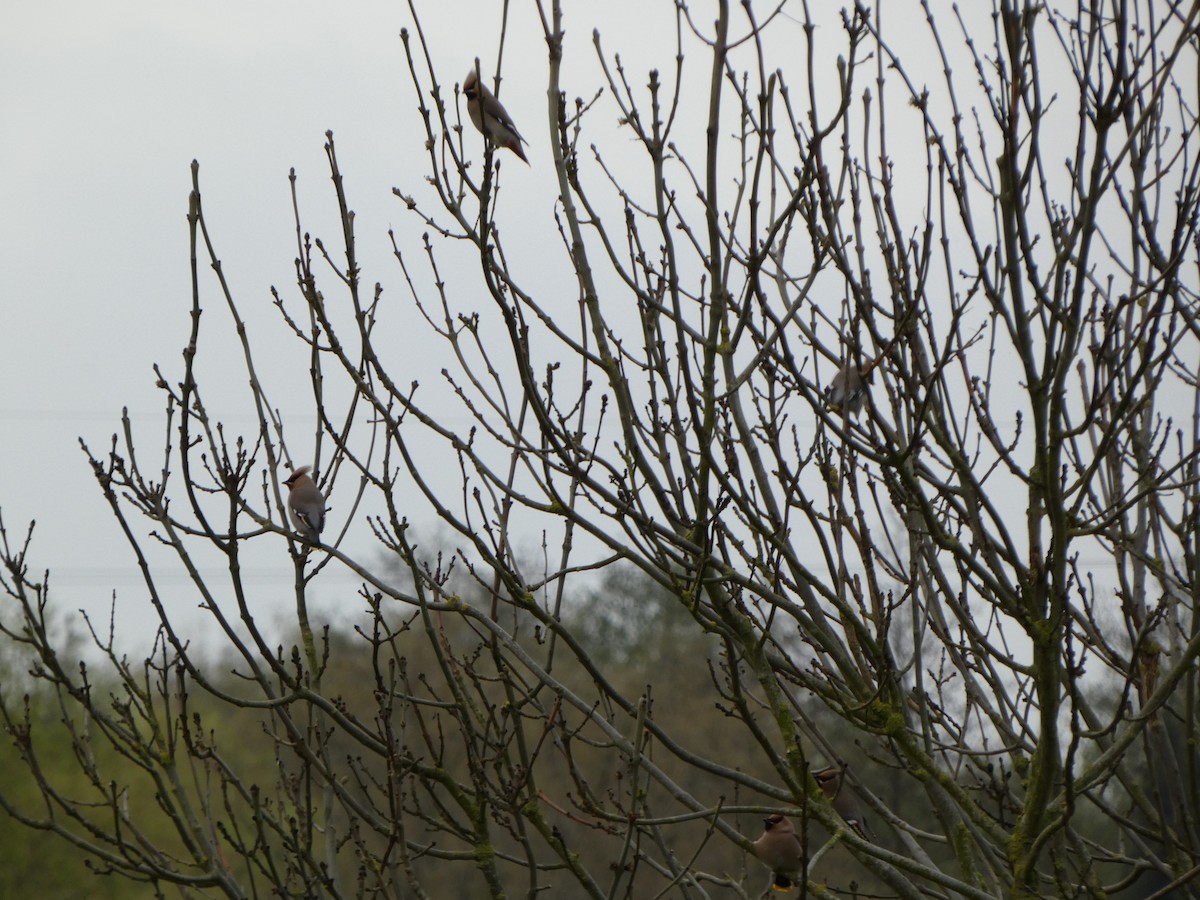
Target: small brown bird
{"points": [[490, 117], [848, 390], [844, 802], [306, 504], [781, 850]]}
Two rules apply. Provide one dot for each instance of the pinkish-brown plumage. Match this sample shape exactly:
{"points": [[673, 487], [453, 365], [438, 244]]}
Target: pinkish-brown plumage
{"points": [[848, 390], [832, 783], [490, 117], [306, 504], [781, 850]]}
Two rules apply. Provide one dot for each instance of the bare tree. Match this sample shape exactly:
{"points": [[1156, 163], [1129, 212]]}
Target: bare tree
{"points": [[980, 587]]}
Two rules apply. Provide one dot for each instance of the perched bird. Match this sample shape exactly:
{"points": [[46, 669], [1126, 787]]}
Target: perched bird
{"points": [[781, 850], [848, 390], [306, 503], [844, 803], [490, 117]]}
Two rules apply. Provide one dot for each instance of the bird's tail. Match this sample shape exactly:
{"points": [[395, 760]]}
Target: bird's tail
{"points": [[515, 147]]}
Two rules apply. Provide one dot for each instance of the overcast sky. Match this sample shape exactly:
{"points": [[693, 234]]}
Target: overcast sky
{"points": [[104, 108]]}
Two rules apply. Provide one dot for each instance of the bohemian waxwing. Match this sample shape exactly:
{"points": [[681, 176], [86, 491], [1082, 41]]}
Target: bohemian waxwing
{"points": [[781, 850], [844, 802], [848, 390], [490, 117], [306, 503]]}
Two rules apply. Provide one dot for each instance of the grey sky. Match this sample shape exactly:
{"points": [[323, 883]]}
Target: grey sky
{"points": [[105, 106]]}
